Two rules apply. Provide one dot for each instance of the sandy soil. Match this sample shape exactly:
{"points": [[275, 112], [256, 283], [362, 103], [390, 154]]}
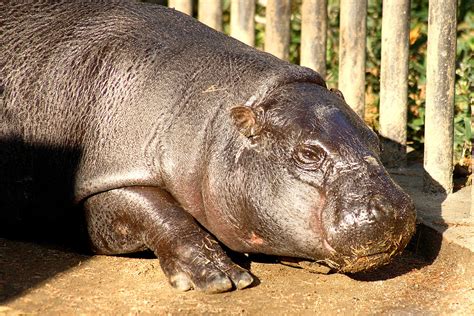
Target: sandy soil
{"points": [[42, 279]]}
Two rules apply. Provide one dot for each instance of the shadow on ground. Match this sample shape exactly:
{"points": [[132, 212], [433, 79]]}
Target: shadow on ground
{"points": [[24, 266], [36, 189], [30, 177]]}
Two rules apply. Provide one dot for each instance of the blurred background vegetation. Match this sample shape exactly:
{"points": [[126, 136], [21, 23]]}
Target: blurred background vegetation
{"points": [[464, 89]]}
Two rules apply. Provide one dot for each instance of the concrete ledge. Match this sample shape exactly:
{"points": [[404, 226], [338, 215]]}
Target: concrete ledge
{"points": [[446, 227]]}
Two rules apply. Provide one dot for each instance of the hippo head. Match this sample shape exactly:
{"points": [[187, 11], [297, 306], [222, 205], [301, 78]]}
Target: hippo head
{"points": [[301, 177]]}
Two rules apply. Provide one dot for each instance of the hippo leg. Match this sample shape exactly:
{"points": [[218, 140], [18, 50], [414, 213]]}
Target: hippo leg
{"points": [[135, 218]]}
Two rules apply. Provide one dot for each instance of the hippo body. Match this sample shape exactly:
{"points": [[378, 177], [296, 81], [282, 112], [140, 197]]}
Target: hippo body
{"points": [[170, 136]]}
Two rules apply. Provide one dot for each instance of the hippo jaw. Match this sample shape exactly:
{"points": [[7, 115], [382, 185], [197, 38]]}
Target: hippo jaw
{"points": [[371, 254], [368, 230]]}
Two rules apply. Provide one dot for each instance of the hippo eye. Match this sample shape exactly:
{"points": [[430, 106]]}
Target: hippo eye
{"points": [[309, 156], [381, 149]]}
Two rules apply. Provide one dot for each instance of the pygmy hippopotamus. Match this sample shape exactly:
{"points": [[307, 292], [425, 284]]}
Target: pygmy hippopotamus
{"points": [[173, 137]]}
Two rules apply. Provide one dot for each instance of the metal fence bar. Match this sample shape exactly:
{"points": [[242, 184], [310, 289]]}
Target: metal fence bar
{"points": [[394, 79], [185, 6], [242, 21], [277, 28], [439, 112], [352, 45], [472, 201], [210, 13], [314, 25]]}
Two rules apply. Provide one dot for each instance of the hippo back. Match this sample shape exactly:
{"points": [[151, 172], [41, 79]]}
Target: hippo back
{"points": [[100, 95]]}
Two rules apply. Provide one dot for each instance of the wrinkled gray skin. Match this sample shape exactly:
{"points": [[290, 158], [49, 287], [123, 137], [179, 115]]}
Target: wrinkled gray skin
{"points": [[174, 136]]}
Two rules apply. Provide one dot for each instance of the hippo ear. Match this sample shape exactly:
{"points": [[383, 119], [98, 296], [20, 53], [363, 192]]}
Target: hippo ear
{"points": [[246, 119], [338, 93]]}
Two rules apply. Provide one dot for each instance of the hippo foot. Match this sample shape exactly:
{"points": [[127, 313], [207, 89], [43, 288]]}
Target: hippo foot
{"points": [[203, 266], [131, 219]]}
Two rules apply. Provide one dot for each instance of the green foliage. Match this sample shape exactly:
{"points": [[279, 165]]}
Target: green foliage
{"points": [[464, 97], [417, 73], [464, 102], [332, 45]]}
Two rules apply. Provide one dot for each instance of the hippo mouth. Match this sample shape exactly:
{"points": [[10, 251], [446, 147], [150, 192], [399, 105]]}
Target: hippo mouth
{"points": [[369, 236], [361, 263], [364, 258], [350, 265], [371, 255]]}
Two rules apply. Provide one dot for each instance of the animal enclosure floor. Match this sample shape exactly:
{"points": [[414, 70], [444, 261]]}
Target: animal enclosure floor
{"points": [[45, 280]]}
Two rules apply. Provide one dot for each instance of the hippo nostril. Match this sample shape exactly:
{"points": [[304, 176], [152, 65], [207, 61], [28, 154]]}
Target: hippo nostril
{"points": [[369, 230], [379, 207]]}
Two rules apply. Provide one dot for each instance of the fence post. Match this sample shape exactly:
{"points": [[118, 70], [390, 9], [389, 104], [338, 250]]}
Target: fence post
{"points": [[277, 28], [185, 6], [394, 80], [352, 39], [313, 34], [472, 199], [439, 112], [210, 13], [242, 21]]}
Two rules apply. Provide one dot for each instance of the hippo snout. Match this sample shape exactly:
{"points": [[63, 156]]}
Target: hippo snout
{"points": [[369, 233]]}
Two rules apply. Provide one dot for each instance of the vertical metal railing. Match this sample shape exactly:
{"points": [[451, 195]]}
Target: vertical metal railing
{"points": [[394, 79], [242, 21], [277, 28], [441, 54], [352, 43], [210, 13], [314, 25]]}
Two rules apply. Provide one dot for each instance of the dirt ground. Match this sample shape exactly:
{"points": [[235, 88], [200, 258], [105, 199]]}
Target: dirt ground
{"points": [[42, 279]]}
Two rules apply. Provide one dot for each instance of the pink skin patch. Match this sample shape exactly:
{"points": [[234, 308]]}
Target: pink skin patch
{"points": [[328, 246], [318, 224], [255, 239]]}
